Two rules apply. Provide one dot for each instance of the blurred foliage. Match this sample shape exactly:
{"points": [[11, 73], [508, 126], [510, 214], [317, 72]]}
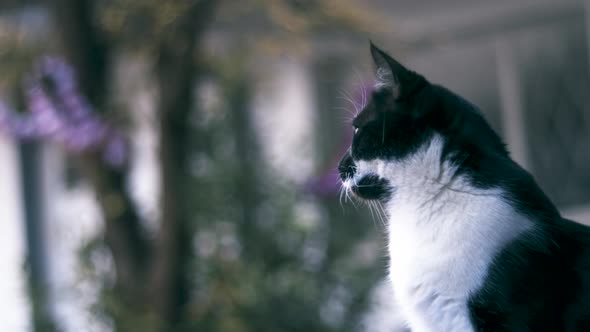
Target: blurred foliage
{"points": [[266, 25], [18, 49], [265, 255], [283, 276]]}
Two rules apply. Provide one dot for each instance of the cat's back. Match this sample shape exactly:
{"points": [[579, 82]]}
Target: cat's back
{"points": [[540, 282], [578, 237]]}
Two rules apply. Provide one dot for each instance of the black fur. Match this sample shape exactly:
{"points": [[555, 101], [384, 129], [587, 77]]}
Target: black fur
{"points": [[372, 187], [540, 281]]}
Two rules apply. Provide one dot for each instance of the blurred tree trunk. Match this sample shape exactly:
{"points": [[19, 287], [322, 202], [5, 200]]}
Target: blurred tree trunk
{"points": [[176, 72], [89, 56], [247, 150], [151, 278], [30, 160]]}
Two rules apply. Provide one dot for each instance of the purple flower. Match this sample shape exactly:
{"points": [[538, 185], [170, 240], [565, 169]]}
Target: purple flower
{"points": [[58, 112]]}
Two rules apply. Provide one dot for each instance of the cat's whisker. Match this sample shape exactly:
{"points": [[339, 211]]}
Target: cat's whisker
{"points": [[347, 97], [383, 215], [362, 87], [365, 185], [377, 212], [352, 112], [344, 108], [347, 109], [345, 194], [349, 196], [347, 120], [340, 195], [371, 206]]}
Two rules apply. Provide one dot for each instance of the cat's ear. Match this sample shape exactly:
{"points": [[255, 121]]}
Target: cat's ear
{"points": [[393, 74]]}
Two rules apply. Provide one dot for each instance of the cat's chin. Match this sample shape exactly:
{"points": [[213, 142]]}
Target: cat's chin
{"points": [[371, 187]]}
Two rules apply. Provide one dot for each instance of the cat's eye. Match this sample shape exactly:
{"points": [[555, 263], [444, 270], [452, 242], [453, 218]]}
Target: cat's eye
{"points": [[356, 129]]}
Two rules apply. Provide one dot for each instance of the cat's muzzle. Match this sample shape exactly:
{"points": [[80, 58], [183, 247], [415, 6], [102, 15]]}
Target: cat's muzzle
{"points": [[366, 186], [346, 167]]}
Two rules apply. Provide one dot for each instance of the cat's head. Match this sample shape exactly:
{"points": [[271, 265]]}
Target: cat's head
{"points": [[410, 123]]}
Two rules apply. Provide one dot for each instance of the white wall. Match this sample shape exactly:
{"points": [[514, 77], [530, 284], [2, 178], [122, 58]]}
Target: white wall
{"points": [[14, 309]]}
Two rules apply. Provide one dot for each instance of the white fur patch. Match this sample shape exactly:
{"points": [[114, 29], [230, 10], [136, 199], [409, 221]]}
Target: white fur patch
{"points": [[443, 235]]}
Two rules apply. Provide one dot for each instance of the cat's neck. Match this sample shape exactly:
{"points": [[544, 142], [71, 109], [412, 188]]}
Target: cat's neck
{"points": [[443, 235], [434, 186], [422, 178]]}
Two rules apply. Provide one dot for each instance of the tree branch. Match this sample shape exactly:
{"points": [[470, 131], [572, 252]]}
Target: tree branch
{"points": [[84, 48], [176, 75], [89, 55]]}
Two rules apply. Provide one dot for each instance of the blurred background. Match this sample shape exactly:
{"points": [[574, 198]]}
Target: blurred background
{"points": [[170, 165]]}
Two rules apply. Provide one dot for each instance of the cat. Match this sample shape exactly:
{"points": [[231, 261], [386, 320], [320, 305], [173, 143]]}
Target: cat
{"points": [[474, 244]]}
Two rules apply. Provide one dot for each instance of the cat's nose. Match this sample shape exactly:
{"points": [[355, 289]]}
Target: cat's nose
{"points": [[346, 167]]}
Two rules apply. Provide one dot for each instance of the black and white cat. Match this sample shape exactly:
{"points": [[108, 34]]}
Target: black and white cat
{"points": [[474, 244]]}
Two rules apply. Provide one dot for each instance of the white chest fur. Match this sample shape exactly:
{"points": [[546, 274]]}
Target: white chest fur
{"points": [[443, 235], [439, 255]]}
